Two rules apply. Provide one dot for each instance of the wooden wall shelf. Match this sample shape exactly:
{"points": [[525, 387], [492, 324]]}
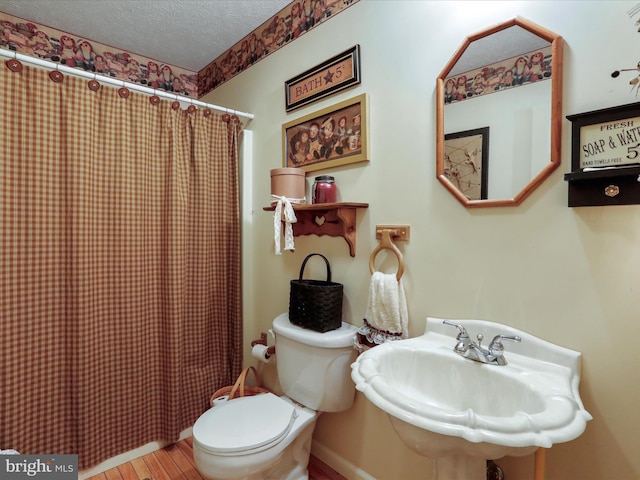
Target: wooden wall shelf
{"points": [[332, 219], [614, 186]]}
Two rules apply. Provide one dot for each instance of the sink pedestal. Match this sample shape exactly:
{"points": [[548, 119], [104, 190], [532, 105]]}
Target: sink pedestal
{"points": [[459, 467]]}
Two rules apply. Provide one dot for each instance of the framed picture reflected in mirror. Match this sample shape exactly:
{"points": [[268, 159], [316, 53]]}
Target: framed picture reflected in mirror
{"points": [[466, 161]]}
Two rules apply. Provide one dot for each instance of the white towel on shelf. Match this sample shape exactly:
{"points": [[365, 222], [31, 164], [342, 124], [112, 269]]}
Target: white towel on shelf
{"points": [[386, 317]]}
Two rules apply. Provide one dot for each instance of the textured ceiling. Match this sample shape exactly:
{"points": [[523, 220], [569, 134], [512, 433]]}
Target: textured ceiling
{"points": [[184, 33]]}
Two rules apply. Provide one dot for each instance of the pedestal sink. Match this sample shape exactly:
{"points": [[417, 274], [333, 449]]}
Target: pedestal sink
{"points": [[462, 412]]}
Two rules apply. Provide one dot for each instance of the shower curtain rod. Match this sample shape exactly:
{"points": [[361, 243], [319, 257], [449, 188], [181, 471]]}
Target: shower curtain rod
{"points": [[121, 83]]}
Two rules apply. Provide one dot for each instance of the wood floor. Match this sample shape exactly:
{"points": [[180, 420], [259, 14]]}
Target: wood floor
{"points": [[175, 462]]}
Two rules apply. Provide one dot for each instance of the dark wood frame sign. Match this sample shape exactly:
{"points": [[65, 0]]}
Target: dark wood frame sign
{"points": [[331, 76], [605, 157], [606, 138]]}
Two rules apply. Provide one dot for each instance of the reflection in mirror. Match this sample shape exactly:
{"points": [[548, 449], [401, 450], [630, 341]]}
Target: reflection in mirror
{"points": [[499, 114]]}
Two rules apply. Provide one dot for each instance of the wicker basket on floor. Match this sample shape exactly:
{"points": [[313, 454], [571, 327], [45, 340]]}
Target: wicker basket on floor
{"points": [[239, 389]]}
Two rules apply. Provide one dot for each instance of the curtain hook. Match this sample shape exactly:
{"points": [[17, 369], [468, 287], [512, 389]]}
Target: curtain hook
{"points": [[154, 99], [175, 104], [191, 108], [14, 64], [123, 91], [93, 85], [55, 75]]}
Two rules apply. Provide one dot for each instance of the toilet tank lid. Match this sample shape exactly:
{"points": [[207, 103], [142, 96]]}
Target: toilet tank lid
{"points": [[338, 338]]}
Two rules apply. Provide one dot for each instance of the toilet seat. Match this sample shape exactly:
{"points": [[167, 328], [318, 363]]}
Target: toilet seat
{"points": [[245, 425]]}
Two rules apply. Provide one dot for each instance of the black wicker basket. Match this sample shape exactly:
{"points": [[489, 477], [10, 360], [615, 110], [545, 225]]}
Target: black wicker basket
{"points": [[315, 304]]}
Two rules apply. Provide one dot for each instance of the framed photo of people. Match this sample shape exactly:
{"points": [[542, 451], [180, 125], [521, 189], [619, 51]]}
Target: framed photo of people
{"points": [[334, 136]]}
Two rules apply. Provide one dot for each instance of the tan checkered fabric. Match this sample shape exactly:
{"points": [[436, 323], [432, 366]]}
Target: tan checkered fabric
{"points": [[119, 266]]}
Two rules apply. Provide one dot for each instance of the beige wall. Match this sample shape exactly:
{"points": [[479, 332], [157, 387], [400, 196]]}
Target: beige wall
{"points": [[567, 275]]}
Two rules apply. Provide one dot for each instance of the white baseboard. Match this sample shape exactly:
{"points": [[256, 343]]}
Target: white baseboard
{"points": [[128, 456], [339, 464]]}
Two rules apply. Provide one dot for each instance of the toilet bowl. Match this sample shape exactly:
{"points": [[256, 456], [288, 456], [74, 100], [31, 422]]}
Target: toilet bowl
{"points": [[268, 437], [233, 440]]}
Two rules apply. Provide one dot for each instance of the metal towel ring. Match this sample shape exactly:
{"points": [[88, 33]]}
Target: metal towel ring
{"points": [[387, 244]]}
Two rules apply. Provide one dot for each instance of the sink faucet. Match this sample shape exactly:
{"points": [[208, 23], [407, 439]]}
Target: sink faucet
{"points": [[467, 348]]}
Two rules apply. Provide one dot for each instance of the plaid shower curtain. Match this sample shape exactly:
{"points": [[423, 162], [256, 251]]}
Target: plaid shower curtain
{"points": [[119, 266]]}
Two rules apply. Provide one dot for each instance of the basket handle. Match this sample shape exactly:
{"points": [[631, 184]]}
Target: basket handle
{"points": [[304, 264], [239, 385]]}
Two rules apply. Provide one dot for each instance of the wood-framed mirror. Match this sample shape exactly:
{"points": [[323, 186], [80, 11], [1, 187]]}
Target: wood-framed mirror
{"points": [[499, 114]]}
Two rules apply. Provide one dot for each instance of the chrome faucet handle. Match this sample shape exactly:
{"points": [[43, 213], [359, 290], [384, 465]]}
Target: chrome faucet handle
{"points": [[496, 349], [462, 331], [462, 344], [496, 343]]}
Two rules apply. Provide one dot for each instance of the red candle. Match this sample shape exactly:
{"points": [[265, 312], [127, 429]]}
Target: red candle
{"points": [[324, 190]]}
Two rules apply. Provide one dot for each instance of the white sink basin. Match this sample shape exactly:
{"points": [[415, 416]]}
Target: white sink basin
{"points": [[441, 404]]}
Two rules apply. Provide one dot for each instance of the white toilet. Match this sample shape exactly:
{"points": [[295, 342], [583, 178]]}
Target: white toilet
{"points": [[268, 437]]}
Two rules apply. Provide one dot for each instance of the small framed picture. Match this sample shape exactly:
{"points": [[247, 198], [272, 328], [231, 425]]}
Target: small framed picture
{"points": [[466, 161], [333, 136]]}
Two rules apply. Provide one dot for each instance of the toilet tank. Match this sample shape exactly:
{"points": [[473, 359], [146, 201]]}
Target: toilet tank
{"points": [[314, 368]]}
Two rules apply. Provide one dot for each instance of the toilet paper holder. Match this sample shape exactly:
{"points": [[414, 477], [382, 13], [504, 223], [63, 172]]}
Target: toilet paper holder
{"points": [[271, 350]]}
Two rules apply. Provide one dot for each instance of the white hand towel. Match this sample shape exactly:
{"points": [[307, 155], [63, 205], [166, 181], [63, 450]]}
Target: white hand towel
{"points": [[387, 317], [387, 305]]}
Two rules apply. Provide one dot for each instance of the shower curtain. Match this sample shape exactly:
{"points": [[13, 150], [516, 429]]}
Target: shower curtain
{"points": [[119, 266]]}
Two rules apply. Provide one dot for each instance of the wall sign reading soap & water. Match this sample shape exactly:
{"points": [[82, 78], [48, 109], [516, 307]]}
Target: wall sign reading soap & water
{"points": [[606, 138]]}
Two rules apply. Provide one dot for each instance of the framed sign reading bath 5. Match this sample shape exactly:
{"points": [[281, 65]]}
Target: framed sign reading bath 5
{"points": [[329, 77]]}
